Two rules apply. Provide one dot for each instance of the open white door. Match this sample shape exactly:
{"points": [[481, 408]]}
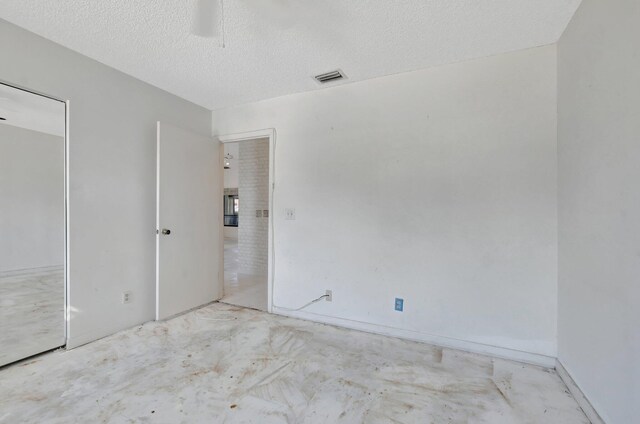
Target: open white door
{"points": [[189, 221]]}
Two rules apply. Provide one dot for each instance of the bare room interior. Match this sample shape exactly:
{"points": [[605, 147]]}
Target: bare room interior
{"points": [[279, 211]]}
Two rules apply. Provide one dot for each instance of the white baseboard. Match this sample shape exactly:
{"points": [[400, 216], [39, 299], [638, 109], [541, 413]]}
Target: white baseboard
{"points": [[75, 340], [500, 352], [579, 396]]}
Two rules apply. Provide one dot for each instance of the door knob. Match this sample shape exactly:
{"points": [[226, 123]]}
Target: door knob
{"points": [[166, 232]]}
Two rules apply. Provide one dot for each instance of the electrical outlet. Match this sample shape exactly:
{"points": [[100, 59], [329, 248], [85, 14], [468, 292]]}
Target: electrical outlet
{"points": [[290, 214], [399, 304], [126, 297], [329, 295]]}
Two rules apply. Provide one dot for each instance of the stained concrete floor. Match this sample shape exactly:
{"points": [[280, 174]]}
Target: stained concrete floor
{"points": [[223, 364], [31, 312], [241, 289]]}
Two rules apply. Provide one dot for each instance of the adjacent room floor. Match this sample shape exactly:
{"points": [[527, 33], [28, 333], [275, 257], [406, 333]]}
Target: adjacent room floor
{"points": [[227, 364], [242, 289]]}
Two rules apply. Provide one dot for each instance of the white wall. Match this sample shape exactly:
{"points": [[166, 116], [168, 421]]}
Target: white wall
{"points": [[438, 186], [112, 153], [599, 206], [31, 198], [253, 194], [231, 174], [231, 233]]}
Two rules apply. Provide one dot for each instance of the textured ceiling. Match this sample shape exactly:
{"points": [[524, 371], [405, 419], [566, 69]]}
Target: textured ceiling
{"points": [[274, 47]]}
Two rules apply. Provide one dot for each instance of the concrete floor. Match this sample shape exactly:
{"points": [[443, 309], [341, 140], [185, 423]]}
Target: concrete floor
{"points": [[31, 313], [240, 289], [223, 364]]}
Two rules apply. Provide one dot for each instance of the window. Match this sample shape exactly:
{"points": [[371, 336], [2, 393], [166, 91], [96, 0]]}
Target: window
{"points": [[231, 209]]}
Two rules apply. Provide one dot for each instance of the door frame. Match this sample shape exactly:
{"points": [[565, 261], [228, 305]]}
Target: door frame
{"points": [[269, 133], [67, 297]]}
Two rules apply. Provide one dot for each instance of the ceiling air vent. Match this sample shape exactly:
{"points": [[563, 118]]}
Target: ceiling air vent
{"points": [[330, 76]]}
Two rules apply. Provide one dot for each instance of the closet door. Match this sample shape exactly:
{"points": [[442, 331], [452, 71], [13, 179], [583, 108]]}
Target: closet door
{"points": [[32, 224]]}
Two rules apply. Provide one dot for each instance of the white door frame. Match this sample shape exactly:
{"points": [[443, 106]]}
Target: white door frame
{"points": [[269, 133]]}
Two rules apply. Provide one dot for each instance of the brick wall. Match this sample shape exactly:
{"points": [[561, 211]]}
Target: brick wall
{"points": [[253, 192]]}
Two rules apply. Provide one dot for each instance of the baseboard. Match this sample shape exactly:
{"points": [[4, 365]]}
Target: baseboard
{"points": [[582, 400], [473, 347], [75, 340]]}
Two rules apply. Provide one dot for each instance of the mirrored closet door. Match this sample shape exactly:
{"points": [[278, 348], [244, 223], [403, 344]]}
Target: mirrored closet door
{"points": [[32, 224]]}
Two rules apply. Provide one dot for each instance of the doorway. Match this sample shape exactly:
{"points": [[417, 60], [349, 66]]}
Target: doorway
{"points": [[32, 223], [247, 222]]}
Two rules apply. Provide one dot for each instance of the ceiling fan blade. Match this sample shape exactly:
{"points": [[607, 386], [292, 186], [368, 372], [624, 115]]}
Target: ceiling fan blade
{"points": [[206, 19]]}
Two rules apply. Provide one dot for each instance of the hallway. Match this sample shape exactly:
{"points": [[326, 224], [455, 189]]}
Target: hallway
{"points": [[249, 291]]}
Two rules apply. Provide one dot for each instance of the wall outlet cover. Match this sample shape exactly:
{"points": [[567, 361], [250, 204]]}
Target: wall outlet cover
{"points": [[290, 214], [126, 297], [329, 296]]}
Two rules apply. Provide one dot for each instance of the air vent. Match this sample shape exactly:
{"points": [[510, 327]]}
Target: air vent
{"points": [[330, 76]]}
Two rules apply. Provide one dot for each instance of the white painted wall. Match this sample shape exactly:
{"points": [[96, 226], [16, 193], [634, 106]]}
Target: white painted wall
{"points": [[231, 174], [112, 155], [253, 194], [599, 206], [231, 233], [31, 198], [438, 186]]}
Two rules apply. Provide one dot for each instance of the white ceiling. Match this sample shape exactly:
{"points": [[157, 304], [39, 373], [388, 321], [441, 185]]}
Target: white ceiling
{"points": [[274, 47], [31, 111]]}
